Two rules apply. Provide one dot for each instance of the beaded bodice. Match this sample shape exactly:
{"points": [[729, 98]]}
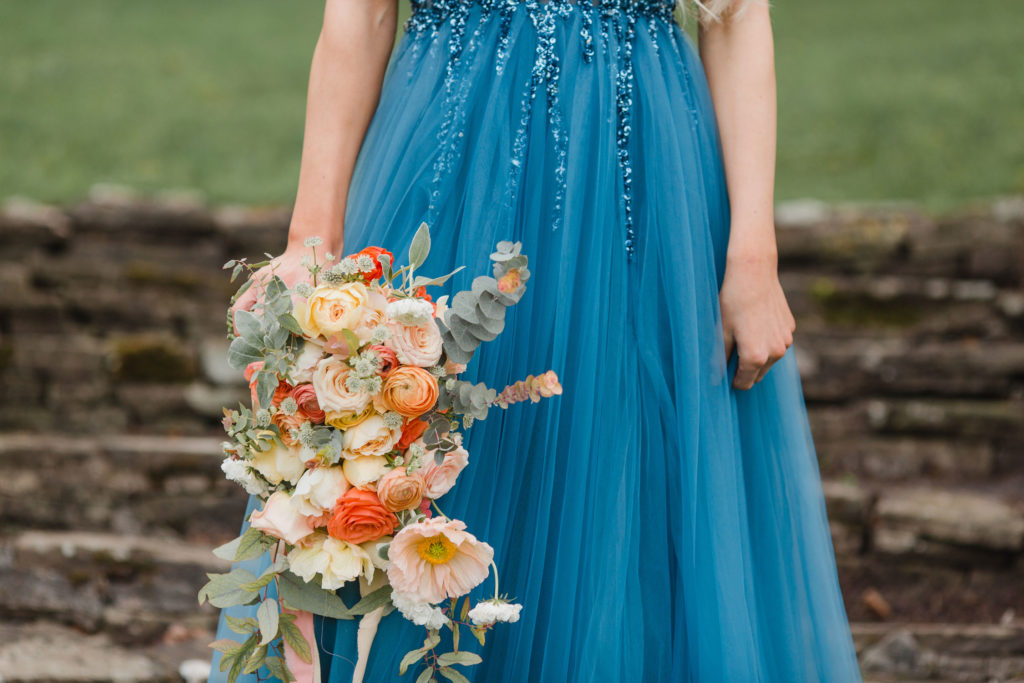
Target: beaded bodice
{"points": [[608, 25]]}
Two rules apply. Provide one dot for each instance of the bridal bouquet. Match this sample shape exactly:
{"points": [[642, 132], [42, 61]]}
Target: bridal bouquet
{"points": [[352, 436]]}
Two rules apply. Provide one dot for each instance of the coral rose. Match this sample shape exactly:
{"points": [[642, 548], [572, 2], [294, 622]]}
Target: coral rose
{"points": [[409, 391], [400, 491], [309, 405], [280, 519], [437, 559], [372, 436], [331, 388], [359, 517], [330, 309], [418, 345], [439, 479]]}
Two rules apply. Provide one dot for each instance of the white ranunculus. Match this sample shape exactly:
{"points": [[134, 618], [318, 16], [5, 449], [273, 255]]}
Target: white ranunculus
{"points": [[318, 490], [419, 613], [305, 362], [490, 611], [239, 472], [279, 463], [337, 561], [372, 436], [365, 470], [410, 311]]}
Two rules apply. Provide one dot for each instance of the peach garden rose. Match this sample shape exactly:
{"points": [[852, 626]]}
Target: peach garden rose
{"points": [[329, 309], [439, 479], [418, 345], [332, 392]]}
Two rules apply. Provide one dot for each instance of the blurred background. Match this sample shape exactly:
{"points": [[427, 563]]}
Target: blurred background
{"points": [[142, 144]]}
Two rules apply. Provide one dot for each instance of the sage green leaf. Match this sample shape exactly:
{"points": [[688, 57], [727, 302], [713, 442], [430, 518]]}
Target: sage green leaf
{"points": [[409, 659], [241, 625], [385, 265], [241, 657], [251, 544], [265, 578], [228, 550], [241, 353], [226, 645], [453, 675], [266, 385], [299, 595], [289, 323], [268, 615], [465, 609], [454, 625], [372, 601], [241, 290], [255, 660], [432, 640], [420, 246], [425, 675], [466, 658], [236, 271], [249, 326], [296, 641], [228, 660], [423, 281], [480, 632], [279, 669], [224, 590]]}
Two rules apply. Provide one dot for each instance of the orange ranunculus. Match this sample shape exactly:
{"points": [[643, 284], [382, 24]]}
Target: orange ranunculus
{"points": [[285, 423], [400, 491], [410, 391], [411, 430], [359, 516]]}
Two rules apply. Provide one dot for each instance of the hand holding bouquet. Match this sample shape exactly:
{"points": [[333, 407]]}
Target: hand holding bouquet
{"points": [[352, 436]]}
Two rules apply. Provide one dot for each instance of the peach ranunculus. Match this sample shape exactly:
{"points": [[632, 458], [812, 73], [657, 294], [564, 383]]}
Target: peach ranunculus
{"points": [[418, 345], [332, 392], [338, 562], [439, 479], [372, 436], [318, 490], [386, 354], [364, 472], [410, 391], [437, 559], [371, 314], [279, 519], [286, 423], [279, 463], [309, 405], [359, 517], [400, 491], [330, 309]]}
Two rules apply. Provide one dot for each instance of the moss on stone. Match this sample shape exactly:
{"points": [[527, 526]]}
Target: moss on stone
{"points": [[145, 358]]}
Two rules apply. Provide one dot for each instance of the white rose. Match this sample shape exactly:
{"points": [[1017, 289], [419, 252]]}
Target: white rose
{"points": [[338, 562], [305, 362], [280, 463], [410, 311], [372, 436], [318, 490], [330, 383], [363, 471]]}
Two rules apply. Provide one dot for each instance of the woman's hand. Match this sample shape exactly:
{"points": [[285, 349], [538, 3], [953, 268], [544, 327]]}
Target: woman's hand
{"points": [[288, 266], [756, 320]]}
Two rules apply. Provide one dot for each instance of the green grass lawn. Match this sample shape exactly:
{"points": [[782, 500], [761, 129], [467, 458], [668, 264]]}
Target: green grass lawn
{"points": [[878, 99]]}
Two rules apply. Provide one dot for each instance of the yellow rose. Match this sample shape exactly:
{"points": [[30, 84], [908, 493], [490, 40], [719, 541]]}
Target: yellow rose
{"points": [[363, 472], [279, 463], [330, 309], [370, 437]]}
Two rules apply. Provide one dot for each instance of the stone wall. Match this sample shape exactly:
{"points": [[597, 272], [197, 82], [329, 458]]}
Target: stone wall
{"points": [[910, 339]]}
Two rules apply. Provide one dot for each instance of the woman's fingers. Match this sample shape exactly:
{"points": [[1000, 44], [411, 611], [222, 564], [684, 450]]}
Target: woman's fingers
{"points": [[755, 363]]}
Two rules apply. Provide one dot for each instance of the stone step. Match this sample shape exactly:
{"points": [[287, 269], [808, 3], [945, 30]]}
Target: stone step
{"points": [[134, 589], [126, 484]]}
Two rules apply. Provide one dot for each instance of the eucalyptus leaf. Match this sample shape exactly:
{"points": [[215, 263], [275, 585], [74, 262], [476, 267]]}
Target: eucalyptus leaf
{"points": [[409, 659], [251, 544], [423, 281], [241, 625], [255, 660], [452, 674], [228, 550], [425, 675], [226, 645], [266, 385], [466, 658], [288, 322], [268, 615], [224, 590], [278, 668], [296, 641]]}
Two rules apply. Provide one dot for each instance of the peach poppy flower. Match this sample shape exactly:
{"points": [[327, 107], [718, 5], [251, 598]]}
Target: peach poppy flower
{"points": [[437, 559]]}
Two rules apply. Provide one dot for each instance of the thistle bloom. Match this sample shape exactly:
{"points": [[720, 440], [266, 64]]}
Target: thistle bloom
{"points": [[437, 559]]}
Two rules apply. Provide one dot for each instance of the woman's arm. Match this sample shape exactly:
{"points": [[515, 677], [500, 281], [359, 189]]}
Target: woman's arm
{"points": [[738, 58], [345, 79]]}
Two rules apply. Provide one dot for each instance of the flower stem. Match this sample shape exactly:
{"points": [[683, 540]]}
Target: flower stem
{"points": [[495, 567], [434, 503]]}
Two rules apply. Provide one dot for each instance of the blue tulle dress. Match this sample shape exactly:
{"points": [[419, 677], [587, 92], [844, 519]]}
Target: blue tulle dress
{"points": [[656, 524]]}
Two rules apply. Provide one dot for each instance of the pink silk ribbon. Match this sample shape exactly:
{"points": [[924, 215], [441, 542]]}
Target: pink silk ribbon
{"points": [[305, 672]]}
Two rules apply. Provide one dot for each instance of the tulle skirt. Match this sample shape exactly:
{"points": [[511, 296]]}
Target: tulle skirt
{"points": [[656, 524]]}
